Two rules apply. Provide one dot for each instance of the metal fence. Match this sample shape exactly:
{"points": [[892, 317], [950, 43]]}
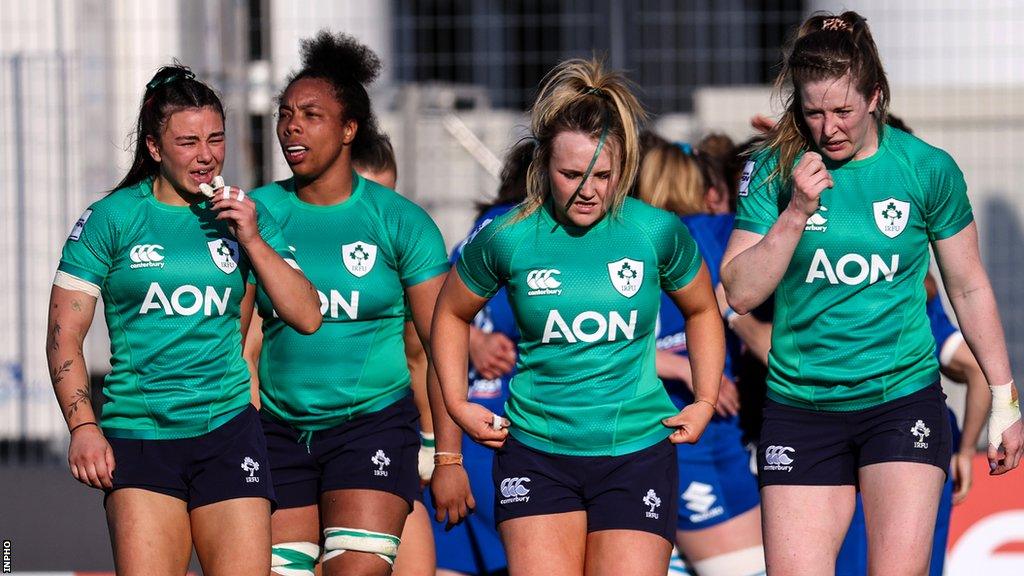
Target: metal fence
{"points": [[458, 76]]}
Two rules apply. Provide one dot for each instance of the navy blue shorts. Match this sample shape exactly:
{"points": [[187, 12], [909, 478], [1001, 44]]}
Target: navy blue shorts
{"points": [[817, 448], [376, 451], [715, 480], [225, 463], [630, 492]]}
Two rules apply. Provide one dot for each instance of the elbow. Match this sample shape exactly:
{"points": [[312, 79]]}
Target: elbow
{"points": [[307, 326], [737, 302]]}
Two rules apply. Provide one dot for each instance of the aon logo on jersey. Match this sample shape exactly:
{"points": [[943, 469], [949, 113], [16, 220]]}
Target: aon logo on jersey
{"points": [[186, 300], [589, 327], [333, 306], [852, 269]]}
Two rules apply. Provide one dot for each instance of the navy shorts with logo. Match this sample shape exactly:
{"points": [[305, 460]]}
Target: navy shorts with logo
{"points": [[817, 448], [225, 463], [634, 491], [375, 451]]}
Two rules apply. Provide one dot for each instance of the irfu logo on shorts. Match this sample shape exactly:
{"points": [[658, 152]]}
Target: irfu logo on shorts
{"points": [[251, 466], [381, 460], [652, 500], [921, 432]]}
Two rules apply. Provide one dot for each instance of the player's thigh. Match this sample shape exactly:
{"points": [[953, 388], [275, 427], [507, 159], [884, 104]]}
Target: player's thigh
{"points": [[367, 524], [549, 544], [295, 539], [615, 552], [901, 500], [149, 533], [803, 527], [416, 555], [232, 537]]}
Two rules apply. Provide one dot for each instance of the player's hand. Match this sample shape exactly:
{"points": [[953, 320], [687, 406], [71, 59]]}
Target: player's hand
{"points": [[728, 398], [1007, 455], [690, 423], [492, 355], [478, 423], [90, 458], [233, 205], [451, 494], [963, 477], [809, 179]]}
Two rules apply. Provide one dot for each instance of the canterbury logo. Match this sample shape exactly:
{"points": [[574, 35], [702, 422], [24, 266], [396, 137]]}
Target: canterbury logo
{"points": [[776, 458], [514, 489], [543, 282], [146, 256]]}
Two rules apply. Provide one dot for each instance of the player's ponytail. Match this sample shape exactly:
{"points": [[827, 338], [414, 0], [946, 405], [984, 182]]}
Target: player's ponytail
{"points": [[826, 46], [172, 88], [581, 96]]}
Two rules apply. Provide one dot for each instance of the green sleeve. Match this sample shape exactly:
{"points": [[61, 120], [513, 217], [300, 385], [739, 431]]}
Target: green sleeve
{"points": [[89, 250], [419, 247], [477, 265], [271, 233], [678, 266], [757, 206], [948, 208]]}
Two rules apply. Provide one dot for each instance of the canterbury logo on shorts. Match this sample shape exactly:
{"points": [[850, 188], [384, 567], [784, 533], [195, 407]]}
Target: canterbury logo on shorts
{"points": [[777, 458], [515, 490]]}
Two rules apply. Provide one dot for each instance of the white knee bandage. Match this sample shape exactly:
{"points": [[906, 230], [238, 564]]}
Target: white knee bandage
{"points": [[746, 562], [337, 541], [1005, 412], [294, 558]]}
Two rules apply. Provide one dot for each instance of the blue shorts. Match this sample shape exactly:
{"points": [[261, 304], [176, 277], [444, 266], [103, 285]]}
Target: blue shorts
{"points": [[715, 481], [817, 448], [376, 451], [474, 546], [226, 463], [629, 492]]}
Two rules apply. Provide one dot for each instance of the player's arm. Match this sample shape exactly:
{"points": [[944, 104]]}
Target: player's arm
{"points": [[753, 264], [449, 483], [755, 334], [963, 368], [252, 342], [705, 340], [70, 315], [292, 295], [416, 361], [974, 303]]}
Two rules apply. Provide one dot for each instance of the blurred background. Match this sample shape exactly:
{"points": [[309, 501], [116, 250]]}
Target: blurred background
{"points": [[458, 76]]}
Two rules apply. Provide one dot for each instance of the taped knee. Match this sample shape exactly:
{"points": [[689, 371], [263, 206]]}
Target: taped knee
{"points": [[746, 562], [337, 541], [294, 558]]}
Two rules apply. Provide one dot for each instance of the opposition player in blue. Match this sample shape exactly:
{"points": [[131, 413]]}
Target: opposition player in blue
{"points": [[719, 520], [474, 546]]}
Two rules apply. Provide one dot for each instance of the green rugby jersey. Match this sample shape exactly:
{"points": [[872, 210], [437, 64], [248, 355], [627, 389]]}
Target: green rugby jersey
{"points": [[586, 302], [360, 254], [172, 279], [850, 327]]}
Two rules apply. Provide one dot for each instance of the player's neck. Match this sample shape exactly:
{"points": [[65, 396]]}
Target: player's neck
{"points": [[333, 186], [166, 193]]}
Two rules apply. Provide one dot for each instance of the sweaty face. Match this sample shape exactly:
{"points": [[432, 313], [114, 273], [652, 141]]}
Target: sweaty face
{"points": [[311, 127], [190, 149], [840, 118], [571, 153]]}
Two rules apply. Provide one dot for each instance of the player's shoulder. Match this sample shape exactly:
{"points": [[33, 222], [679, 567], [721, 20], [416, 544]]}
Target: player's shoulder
{"points": [[118, 205], [916, 153], [274, 194], [386, 203], [646, 218]]}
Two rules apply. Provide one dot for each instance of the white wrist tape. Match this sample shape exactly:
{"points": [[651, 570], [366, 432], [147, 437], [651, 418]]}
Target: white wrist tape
{"points": [[425, 464], [497, 422], [1005, 412]]}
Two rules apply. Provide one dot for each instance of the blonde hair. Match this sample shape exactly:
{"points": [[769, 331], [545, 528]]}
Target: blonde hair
{"points": [[581, 96], [827, 46], [672, 180]]}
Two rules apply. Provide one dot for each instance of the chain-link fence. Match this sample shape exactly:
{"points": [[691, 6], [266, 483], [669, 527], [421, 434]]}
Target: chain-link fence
{"points": [[458, 75]]}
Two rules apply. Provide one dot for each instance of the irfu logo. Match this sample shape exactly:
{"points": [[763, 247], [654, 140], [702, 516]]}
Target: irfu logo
{"points": [[652, 500], [921, 432], [380, 459], [251, 466]]}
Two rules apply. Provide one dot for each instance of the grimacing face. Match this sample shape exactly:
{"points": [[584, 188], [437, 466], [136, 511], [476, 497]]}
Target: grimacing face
{"points": [[571, 153], [841, 119], [190, 149], [311, 127]]}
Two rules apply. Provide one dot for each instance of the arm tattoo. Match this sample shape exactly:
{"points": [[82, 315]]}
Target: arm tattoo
{"points": [[54, 344], [81, 395], [76, 305], [59, 373]]}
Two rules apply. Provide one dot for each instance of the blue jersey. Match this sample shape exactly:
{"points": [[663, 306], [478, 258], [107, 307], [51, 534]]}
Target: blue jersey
{"points": [[942, 327], [495, 316], [711, 232]]}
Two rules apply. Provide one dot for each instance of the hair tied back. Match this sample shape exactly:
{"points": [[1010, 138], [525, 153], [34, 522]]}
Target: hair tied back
{"points": [[835, 23], [177, 75]]}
